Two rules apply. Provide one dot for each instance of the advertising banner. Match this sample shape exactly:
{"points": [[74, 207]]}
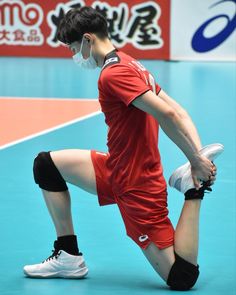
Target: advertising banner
{"points": [[203, 30], [140, 28]]}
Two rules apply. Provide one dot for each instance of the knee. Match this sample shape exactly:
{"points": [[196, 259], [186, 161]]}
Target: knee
{"points": [[46, 174], [183, 275]]}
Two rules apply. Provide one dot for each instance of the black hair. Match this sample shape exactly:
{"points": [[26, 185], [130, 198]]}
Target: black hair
{"points": [[77, 22]]}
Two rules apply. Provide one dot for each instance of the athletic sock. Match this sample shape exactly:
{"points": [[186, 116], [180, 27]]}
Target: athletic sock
{"points": [[68, 244], [193, 194]]}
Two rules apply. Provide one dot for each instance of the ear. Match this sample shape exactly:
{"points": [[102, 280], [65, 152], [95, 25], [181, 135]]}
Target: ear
{"points": [[89, 38]]}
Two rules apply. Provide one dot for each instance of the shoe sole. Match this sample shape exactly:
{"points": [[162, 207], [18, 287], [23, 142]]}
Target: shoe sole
{"points": [[61, 274], [211, 151]]}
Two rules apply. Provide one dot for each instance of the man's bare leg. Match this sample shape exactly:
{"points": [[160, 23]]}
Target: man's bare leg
{"points": [[161, 260], [59, 207], [187, 231], [76, 167]]}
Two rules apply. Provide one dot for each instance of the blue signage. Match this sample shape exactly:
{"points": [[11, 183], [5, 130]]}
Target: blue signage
{"points": [[201, 43]]}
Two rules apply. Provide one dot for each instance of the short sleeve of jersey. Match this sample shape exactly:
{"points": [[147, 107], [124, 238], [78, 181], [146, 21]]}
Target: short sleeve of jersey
{"points": [[124, 83]]}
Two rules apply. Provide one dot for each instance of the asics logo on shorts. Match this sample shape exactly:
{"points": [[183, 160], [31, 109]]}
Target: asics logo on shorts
{"points": [[143, 238]]}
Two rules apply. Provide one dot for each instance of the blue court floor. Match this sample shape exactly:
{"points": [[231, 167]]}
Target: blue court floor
{"points": [[117, 266]]}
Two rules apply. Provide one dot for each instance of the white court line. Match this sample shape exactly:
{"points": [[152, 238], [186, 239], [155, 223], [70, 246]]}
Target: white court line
{"points": [[47, 98], [49, 130]]}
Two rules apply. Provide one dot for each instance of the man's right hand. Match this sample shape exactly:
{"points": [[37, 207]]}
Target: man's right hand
{"points": [[203, 170]]}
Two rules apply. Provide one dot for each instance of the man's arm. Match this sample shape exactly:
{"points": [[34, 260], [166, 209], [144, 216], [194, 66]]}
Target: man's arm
{"points": [[186, 119], [177, 129]]}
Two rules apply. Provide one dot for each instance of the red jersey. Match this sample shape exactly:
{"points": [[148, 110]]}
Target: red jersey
{"points": [[134, 160]]}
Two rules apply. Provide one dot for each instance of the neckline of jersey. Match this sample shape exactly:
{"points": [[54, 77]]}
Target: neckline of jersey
{"points": [[109, 54]]}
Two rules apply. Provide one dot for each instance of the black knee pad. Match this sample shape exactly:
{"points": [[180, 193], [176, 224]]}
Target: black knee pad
{"points": [[183, 275], [46, 174]]}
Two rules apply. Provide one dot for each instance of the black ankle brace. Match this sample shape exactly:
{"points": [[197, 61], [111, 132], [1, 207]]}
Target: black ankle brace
{"points": [[193, 194], [68, 244]]}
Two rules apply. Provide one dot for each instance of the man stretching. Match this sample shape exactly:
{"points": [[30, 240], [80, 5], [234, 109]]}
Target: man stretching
{"points": [[130, 173]]}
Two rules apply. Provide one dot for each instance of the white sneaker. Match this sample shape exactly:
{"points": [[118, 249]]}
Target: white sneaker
{"points": [[60, 265], [181, 178]]}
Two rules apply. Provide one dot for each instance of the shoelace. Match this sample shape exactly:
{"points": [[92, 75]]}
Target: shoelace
{"points": [[206, 186], [55, 255], [198, 194]]}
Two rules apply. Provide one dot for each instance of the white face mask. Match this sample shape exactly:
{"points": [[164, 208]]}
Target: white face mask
{"points": [[89, 63]]}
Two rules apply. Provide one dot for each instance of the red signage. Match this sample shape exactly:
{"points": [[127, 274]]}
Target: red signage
{"points": [[140, 28]]}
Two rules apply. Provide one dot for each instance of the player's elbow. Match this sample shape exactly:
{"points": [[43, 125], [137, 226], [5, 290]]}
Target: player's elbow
{"points": [[170, 117], [171, 114], [183, 114]]}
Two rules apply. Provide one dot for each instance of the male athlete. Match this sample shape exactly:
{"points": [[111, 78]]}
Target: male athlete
{"points": [[130, 173]]}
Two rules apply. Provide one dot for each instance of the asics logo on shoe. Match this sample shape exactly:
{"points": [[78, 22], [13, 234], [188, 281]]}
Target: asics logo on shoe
{"points": [[143, 238], [82, 265]]}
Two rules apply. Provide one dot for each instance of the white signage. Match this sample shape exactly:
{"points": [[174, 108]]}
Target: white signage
{"points": [[203, 30]]}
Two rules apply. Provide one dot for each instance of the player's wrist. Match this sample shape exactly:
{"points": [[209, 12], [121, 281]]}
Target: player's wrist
{"points": [[194, 158]]}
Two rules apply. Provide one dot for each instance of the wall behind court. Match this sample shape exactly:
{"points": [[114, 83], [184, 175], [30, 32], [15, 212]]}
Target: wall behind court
{"points": [[161, 29]]}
